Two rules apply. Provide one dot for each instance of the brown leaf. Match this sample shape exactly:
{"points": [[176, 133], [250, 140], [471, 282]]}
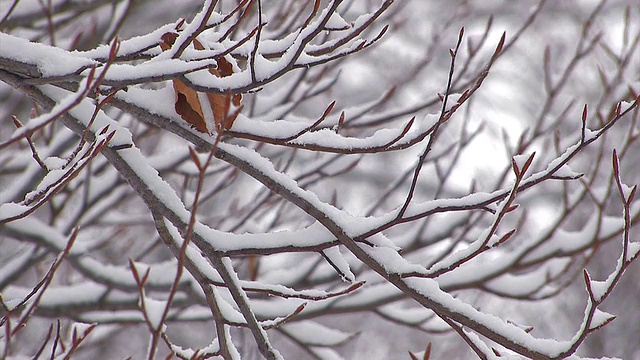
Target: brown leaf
{"points": [[188, 104], [168, 39], [221, 103], [224, 67]]}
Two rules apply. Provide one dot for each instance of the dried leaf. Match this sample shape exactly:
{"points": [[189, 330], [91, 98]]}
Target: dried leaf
{"points": [[188, 104]]}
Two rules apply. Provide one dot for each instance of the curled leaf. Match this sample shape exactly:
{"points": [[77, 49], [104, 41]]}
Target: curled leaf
{"points": [[189, 104]]}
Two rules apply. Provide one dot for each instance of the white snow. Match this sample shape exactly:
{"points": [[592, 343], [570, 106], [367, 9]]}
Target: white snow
{"points": [[430, 289], [521, 159], [633, 250], [54, 162], [50, 61], [566, 172], [336, 22], [154, 309], [600, 318], [149, 69], [599, 288], [312, 333], [34, 227], [334, 255], [132, 45], [413, 315], [8, 210], [392, 261]]}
